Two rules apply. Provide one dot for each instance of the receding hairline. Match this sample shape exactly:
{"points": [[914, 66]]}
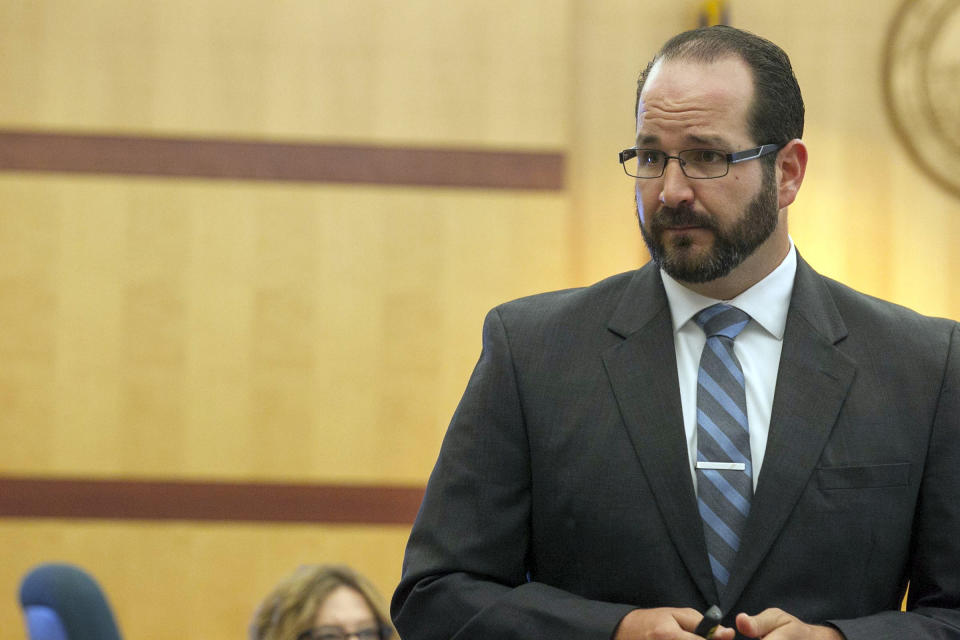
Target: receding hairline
{"points": [[750, 98], [657, 63], [657, 66]]}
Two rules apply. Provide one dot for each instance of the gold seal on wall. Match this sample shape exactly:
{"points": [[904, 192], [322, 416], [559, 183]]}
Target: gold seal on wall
{"points": [[922, 85]]}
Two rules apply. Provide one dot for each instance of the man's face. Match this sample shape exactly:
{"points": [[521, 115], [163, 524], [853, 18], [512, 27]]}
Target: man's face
{"points": [[701, 230]]}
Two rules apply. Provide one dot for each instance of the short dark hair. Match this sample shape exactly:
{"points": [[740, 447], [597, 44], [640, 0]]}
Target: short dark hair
{"points": [[776, 115]]}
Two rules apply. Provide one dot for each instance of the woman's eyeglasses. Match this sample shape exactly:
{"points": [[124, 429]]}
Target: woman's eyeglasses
{"points": [[339, 633]]}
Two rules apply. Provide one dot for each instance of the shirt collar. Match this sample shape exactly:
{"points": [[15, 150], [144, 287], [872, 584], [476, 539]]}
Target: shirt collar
{"points": [[766, 302]]}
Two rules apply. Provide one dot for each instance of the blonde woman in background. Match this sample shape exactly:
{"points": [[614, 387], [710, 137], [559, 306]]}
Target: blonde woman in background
{"points": [[322, 602]]}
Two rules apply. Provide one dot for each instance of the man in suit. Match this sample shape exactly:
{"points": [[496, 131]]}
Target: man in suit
{"points": [[620, 461]]}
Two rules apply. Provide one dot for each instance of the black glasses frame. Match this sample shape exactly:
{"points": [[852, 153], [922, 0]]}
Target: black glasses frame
{"points": [[384, 633], [732, 158]]}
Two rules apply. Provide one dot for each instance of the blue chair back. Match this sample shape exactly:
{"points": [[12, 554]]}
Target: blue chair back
{"points": [[63, 602]]}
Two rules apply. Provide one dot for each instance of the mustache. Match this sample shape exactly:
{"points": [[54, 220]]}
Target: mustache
{"points": [[682, 216]]}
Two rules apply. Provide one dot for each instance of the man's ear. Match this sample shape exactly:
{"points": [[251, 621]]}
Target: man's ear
{"points": [[791, 166]]}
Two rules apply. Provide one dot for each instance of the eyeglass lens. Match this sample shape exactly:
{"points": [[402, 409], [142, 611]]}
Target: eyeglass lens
{"points": [[695, 163], [339, 633]]}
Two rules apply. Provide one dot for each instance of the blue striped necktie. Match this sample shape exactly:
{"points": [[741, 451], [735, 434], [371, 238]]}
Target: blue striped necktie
{"points": [[724, 472]]}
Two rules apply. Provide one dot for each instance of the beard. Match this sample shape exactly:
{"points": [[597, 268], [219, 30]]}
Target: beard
{"points": [[731, 246]]}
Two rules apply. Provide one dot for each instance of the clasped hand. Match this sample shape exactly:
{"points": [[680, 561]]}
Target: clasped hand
{"points": [[679, 624]]}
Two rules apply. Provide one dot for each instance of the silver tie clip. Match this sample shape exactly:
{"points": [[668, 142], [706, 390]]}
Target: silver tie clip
{"points": [[722, 466]]}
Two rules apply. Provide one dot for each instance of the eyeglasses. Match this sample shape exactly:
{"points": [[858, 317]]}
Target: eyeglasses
{"points": [[339, 633], [695, 163]]}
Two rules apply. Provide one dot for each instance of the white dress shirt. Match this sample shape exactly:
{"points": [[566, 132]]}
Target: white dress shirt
{"points": [[757, 348]]}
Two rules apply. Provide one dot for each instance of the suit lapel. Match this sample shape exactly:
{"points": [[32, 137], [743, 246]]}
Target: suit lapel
{"points": [[812, 384], [643, 373]]}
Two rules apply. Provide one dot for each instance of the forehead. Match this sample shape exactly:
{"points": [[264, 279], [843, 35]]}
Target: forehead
{"points": [[345, 607], [684, 99]]}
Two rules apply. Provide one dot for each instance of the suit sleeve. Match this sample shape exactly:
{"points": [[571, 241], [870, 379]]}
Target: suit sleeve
{"points": [[933, 601], [466, 568]]}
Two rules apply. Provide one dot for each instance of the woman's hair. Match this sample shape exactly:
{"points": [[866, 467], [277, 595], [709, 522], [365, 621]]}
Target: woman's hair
{"points": [[292, 606]]}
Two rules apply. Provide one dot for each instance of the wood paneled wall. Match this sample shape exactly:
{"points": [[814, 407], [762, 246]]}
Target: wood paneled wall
{"points": [[186, 328]]}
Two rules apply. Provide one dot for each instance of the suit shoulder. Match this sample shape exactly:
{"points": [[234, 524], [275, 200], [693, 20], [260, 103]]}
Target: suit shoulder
{"points": [[852, 300], [888, 319]]}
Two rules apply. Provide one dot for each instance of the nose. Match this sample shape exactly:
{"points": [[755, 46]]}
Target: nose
{"points": [[675, 189]]}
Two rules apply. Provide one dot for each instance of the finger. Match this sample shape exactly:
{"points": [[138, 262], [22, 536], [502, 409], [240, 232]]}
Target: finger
{"points": [[723, 633], [662, 623], [688, 619], [747, 626], [763, 623]]}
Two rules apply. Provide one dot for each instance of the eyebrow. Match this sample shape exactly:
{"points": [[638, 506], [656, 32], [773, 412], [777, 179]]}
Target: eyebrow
{"points": [[707, 141], [647, 139], [714, 141]]}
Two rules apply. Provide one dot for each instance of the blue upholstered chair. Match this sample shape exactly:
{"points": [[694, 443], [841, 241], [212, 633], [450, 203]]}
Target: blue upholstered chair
{"points": [[63, 602]]}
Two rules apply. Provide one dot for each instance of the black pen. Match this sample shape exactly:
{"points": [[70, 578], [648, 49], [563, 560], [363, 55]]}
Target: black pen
{"points": [[711, 620]]}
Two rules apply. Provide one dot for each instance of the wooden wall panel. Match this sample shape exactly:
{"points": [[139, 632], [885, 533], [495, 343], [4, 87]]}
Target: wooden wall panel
{"points": [[421, 72], [277, 332]]}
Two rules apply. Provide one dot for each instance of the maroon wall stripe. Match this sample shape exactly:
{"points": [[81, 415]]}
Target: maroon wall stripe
{"points": [[224, 501], [279, 161]]}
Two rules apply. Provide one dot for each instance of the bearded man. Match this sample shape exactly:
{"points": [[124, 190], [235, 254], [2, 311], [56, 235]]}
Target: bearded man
{"points": [[723, 426]]}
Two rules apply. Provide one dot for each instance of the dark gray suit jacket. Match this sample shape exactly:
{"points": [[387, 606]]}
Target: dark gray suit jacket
{"points": [[562, 496]]}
